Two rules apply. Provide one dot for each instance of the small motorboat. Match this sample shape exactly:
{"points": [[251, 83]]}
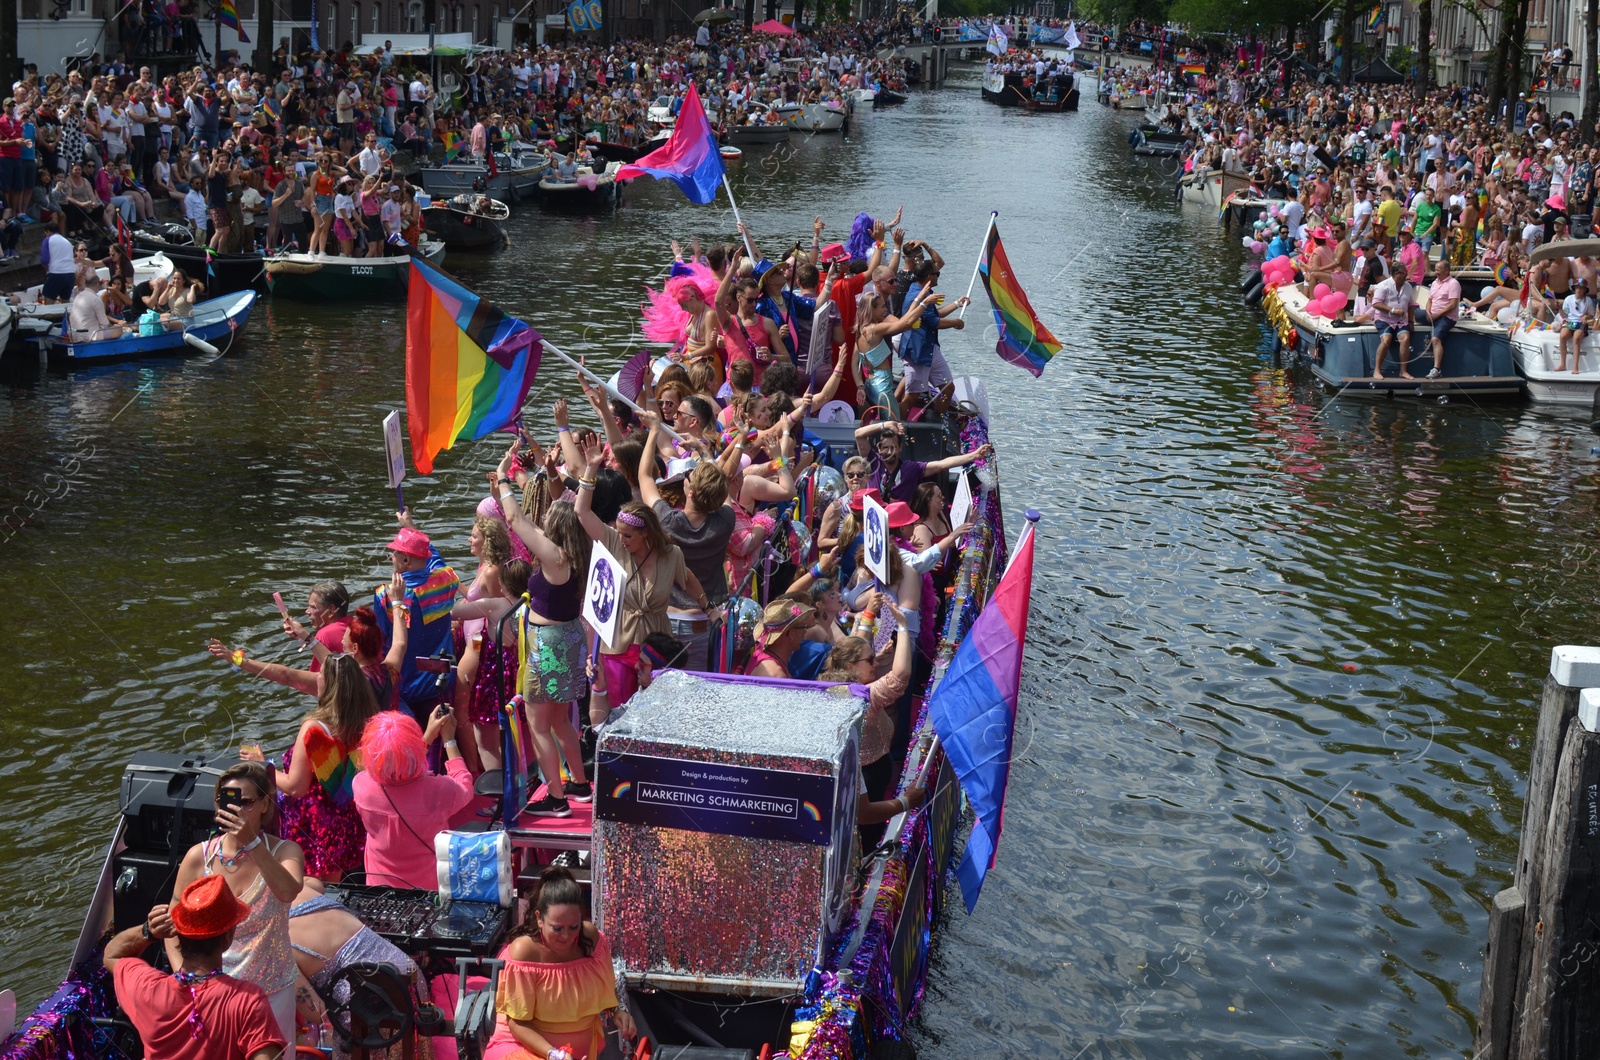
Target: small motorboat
{"points": [[590, 192], [730, 153], [865, 97], [221, 273], [323, 277], [606, 151], [514, 176], [760, 133], [1211, 187], [26, 302], [1341, 353], [212, 325], [467, 222], [813, 117], [888, 97]]}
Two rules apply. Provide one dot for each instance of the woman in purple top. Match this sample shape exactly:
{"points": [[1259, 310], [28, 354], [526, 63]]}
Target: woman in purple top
{"points": [[552, 636]]}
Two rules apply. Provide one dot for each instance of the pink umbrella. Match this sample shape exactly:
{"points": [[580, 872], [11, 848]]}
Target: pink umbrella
{"points": [[772, 25]]}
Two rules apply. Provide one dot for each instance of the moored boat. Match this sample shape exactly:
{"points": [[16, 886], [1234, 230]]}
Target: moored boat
{"points": [[764, 133], [213, 324], [590, 192], [730, 153], [888, 97], [319, 277], [812, 117], [1536, 350], [1341, 353], [221, 273], [514, 177], [1211, 187], [467, 222]]}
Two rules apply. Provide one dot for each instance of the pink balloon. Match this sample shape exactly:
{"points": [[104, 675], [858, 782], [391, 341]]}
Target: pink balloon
{"points": [[1256, 246], [1337, 301], [1321, 291]]}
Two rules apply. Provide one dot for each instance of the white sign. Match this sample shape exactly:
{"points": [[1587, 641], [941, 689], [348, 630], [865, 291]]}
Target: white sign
{"points": [[961, 505], [393, 449], [602, 597], [875, 529]]}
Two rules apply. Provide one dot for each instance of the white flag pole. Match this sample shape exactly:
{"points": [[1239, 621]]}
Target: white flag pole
{"points": [[977, 265], [748, 249], [607, 387]]}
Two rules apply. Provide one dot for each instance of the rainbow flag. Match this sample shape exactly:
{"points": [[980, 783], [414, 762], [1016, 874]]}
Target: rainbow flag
{"points": [[452, 145], [468, 365], [1024, 341], [228, 15], [332, 765], [1376, 18], [974, 710], [1193, 68]]}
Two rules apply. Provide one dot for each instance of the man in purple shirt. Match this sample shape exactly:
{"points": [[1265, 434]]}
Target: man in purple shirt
{"points": [[897, 478]]}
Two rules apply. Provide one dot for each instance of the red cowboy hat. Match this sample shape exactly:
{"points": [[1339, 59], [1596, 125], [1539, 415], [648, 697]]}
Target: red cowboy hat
{"points": [[411, 543], [206, 909], [870, 491]]}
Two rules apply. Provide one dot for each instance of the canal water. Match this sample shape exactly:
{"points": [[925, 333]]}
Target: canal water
{"points": [[1284, 653]]}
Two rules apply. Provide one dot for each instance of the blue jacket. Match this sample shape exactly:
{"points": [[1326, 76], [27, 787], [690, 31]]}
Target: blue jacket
{"points": [[917, 345], [430, 594]]}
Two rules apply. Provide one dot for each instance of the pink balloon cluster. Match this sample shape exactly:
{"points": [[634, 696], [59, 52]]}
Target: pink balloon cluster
{"points": [[1326, 302], [1277, 272]]}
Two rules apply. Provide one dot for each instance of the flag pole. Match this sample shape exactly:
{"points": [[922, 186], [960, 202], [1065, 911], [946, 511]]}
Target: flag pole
{"points": [[607, 387], [748, 249], [977, 265]]}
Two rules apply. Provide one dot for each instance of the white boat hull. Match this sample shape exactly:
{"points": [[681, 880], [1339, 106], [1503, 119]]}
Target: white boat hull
{"points": [[1202, 189], [1536, 354]]}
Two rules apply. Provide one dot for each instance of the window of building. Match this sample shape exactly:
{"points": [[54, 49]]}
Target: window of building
{"points": [[414, 17]]}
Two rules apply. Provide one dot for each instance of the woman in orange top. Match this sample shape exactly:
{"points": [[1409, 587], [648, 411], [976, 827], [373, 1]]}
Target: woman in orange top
{"points": [[557, 982]]}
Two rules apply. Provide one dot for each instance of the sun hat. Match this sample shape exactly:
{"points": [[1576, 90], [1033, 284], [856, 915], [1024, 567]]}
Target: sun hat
{"points": [[1556, 201], [833, 252], [206, 909], [780, 615], [411, 543]]}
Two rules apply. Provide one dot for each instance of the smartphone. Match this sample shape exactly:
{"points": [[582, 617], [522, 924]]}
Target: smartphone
{"points": [[277, 598], [230, 799]]}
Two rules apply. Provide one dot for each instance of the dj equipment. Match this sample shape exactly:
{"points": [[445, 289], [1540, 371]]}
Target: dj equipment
{"points": [[415, 922], [167, 802]]}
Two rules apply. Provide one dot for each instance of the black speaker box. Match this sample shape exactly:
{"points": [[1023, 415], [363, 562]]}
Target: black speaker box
{"points": [[140, 880], [167, 801]]}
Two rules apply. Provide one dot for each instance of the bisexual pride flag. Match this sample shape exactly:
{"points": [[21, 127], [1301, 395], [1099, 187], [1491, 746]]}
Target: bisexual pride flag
{"points": [[974, 710], [1024, 341], [468, 365], [690, 158]]}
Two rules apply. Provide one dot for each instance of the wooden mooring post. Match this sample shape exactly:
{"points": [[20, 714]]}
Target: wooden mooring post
{"points": [[1540, 997]]}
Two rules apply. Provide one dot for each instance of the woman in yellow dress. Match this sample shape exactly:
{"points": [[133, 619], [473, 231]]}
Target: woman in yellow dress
{"points": [[557, 982]]}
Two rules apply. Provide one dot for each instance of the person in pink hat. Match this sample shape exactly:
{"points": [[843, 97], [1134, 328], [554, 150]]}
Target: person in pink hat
{"points": [[430, 593], [197, 1011]]}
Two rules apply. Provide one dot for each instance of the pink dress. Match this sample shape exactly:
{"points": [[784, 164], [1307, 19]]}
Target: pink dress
{"points": [[402, 820]]}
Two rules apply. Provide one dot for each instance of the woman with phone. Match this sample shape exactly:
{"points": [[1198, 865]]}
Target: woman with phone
{"points": [[264, 872]]}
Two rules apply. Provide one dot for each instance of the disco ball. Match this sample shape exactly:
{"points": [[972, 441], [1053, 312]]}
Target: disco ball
{"points": [[830, 487]]}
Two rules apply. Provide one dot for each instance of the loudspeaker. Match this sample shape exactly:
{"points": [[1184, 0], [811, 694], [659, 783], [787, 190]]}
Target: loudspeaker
{"points": [[167, 801]]}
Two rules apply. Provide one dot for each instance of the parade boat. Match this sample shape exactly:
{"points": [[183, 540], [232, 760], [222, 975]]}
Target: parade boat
{"points": [[1005, 89], [211, 330], [467, 222], [221, 273], [591, 192], [1058, 93], [1341, 353], [821, 947], [321, 277]]}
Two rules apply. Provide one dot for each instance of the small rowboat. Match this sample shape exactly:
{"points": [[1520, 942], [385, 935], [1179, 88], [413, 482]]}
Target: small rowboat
{"points": [[468, 222], [215, 321], [730, 153], [27, 304]]}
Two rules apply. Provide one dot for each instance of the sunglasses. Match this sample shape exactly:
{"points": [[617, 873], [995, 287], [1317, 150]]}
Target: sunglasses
{"points": [[852, 475]]}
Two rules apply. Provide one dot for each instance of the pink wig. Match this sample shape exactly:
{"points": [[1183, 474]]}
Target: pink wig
{"points": [[392, 749], [664, 319]]}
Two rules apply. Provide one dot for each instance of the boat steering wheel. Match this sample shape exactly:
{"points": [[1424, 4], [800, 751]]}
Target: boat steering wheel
{"points": [[379, 998]]}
